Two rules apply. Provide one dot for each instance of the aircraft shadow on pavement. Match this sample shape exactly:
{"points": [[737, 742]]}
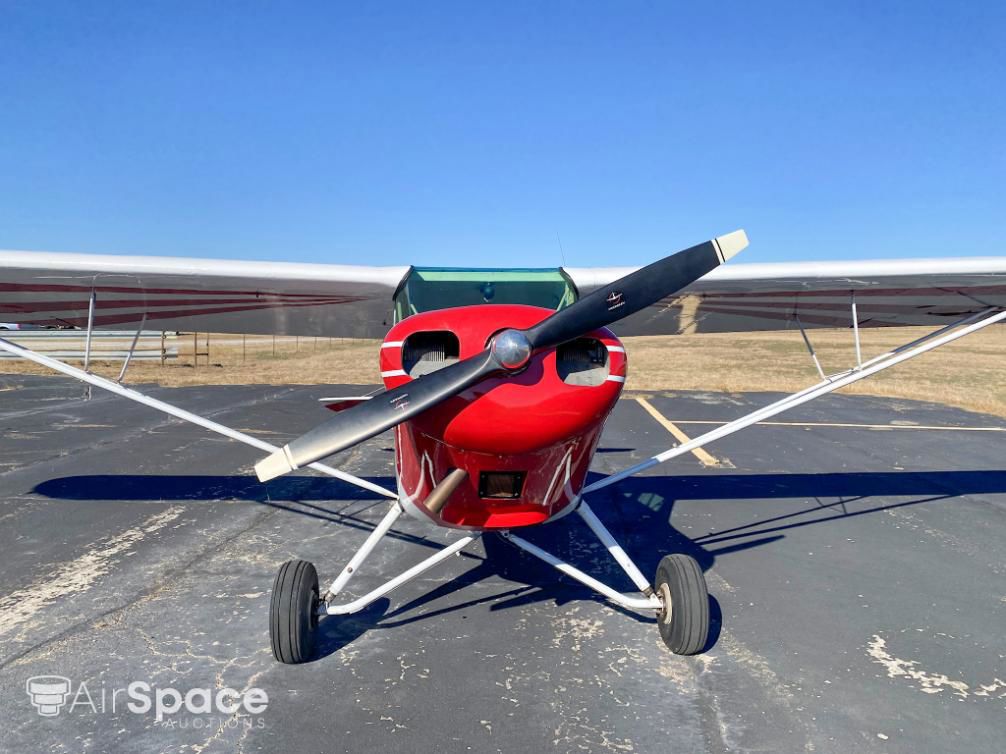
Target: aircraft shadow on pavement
{"points": [[295, 494], [637, 510]]}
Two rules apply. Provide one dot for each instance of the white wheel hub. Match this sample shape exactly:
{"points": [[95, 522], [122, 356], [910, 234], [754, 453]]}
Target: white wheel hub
{"points": [[664, 593]]}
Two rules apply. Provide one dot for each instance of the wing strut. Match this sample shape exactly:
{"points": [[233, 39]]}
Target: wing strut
{"points": [[967, 325], [179, 413]]}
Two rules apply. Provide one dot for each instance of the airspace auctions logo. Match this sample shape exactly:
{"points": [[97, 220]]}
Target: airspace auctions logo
{"points": [[50, 694]]}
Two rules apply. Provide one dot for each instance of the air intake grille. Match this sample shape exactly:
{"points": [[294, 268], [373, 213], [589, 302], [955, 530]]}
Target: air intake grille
{"points": [[582, 362], [425, 352]]}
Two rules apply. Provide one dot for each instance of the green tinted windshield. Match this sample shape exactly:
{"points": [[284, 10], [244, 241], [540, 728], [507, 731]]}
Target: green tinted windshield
{"points": [[428, 288]]}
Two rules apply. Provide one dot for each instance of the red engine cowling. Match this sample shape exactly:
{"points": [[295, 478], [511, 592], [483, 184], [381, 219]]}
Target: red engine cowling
{"points": [[525, 440]]}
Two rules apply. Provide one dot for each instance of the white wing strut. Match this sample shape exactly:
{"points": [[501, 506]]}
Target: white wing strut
{"points": [[180, 413], [936, 339]]}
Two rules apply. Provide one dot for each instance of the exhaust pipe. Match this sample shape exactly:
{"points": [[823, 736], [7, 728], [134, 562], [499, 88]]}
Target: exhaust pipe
{"points": [[438, 498]]}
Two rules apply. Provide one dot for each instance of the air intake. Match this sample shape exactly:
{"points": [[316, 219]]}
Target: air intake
{"points": [[425, 352], [501, 485], [583, 361]]}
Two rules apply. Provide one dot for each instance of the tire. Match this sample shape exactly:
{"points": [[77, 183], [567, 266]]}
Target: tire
{"points": [[684, 619], [293, 615]]}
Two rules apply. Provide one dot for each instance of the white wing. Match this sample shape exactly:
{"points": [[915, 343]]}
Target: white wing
{"points": [[210, 295], [743, 297], [284, 298]]}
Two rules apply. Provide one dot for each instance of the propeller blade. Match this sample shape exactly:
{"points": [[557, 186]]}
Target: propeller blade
{"points": [[381, 412], [635, 291], [509, 352]]}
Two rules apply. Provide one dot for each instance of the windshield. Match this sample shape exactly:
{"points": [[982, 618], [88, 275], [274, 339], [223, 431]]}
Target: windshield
{"points": [[429, 288]]}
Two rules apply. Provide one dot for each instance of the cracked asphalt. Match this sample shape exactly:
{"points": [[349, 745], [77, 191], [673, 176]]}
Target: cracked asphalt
{"points": [[858, 578]]}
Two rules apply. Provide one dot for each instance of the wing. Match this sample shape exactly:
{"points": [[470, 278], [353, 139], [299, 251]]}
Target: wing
{"points": [[744, 297], [54, 289]]}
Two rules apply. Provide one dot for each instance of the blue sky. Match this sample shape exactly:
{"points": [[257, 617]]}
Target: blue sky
{"points": [[475, 133]]}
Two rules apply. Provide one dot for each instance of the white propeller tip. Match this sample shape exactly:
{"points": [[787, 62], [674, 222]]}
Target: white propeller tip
{"points": [[732, 244], [273, 466]]}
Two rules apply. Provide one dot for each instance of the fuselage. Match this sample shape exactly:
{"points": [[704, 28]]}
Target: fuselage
{"points": [[525, 441]]}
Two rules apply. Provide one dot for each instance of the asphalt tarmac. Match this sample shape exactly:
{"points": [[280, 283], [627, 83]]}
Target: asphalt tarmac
{"points": [[858, 577]]}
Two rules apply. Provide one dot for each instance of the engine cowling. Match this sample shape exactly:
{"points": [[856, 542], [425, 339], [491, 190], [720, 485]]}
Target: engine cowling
{"points": [[525, 440]]}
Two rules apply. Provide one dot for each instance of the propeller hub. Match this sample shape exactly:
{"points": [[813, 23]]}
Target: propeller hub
{"points": [[512, 349]]}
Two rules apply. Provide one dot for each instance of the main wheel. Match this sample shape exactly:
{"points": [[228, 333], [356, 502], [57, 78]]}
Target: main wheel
{"points": [[293, 612], [684, 618]]}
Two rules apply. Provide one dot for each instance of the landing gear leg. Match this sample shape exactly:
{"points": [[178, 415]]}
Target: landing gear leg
{"points": [[678, 595]]}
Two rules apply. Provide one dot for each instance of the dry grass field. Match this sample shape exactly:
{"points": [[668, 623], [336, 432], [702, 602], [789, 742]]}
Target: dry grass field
{"points": [[967, 374]]}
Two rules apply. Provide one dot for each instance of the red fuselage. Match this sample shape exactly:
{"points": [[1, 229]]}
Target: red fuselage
{"points": [[525, 440]]}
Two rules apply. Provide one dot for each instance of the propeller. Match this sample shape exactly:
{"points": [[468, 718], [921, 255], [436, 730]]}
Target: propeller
{"points": [[508, 353]]}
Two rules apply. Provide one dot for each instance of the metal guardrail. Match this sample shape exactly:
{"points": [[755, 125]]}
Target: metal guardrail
{"points": [[106, 345]]}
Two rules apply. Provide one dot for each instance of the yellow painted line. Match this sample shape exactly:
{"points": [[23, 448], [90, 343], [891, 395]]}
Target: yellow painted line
{"points": [[852, 426], [681, 437]]}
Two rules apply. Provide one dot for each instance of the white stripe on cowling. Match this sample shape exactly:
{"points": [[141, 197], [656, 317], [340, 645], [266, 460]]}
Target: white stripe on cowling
{"points": [[393, 373], [614, 378], [392, 344], [615, 349]]}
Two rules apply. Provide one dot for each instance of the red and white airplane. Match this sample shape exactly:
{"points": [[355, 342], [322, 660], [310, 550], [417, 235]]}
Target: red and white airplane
{"points": [[497, 382]]}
